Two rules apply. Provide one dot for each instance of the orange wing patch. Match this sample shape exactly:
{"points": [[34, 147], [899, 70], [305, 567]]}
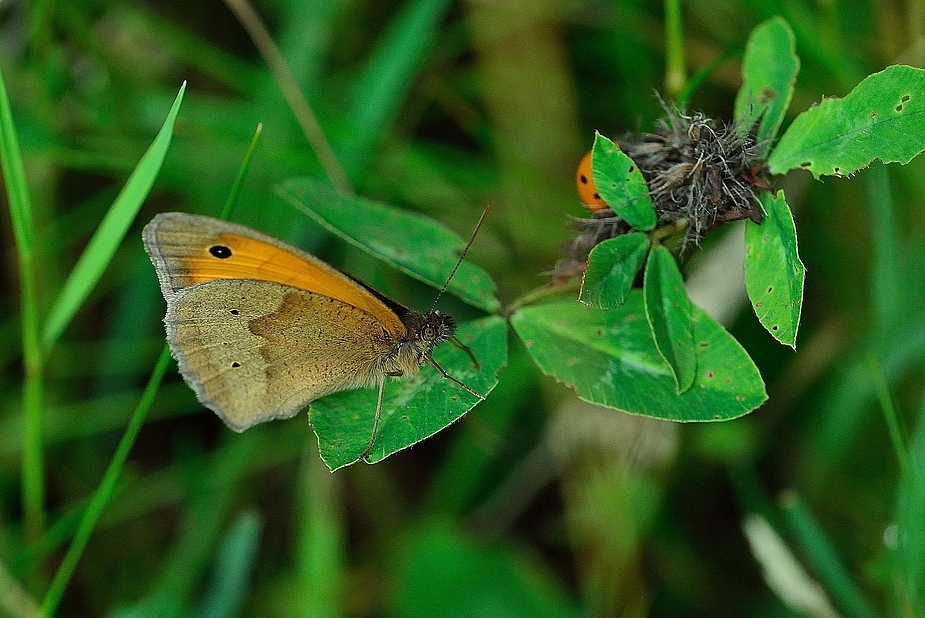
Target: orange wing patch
{"points": [[231, 256]]}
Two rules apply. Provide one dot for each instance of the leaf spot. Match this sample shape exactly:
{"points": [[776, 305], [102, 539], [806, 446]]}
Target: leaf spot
{"points": [[573, 361], [873, 115], [806, 164], [759, 304], [770, 289], [704, 344], [740, 398], [775, 327], [710, 374]]}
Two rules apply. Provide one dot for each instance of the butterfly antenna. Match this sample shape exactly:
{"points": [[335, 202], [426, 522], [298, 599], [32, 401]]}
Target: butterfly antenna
{"points": [[462, 256]]}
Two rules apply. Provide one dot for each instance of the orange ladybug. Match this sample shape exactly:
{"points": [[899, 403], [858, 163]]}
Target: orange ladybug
{"points": [[587, 190]]}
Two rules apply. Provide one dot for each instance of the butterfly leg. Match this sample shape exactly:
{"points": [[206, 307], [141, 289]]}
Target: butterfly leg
{"points": [[372, 438], [462, 346], [452, 379]]}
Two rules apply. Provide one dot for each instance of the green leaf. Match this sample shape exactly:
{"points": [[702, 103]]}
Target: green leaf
{"points": [[769, 71], [880, 119], [612, 268], [111, 231], [609, 358], [669, 312], [620, 183], [413, 408], [414, 244], [774, 273]]}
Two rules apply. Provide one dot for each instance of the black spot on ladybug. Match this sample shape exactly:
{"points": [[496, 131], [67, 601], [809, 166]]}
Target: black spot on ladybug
{"points": [[583, 179], [220, 251]]}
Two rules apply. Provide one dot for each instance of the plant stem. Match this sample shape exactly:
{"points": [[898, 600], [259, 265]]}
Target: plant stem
{"points": [[105, 489]]}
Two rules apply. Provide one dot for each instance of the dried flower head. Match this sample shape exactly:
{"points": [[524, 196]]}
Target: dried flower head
{"points": [[701, 173], [699, 170]]}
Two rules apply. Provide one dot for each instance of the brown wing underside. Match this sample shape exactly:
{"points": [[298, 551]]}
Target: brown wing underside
{"points": [[255, 351]]}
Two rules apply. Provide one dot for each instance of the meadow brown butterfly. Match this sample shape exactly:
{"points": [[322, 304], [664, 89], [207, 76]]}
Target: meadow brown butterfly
{"points": [[260, 329]]}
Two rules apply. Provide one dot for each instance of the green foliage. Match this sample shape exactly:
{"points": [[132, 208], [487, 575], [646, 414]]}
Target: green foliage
{"points": [[880, 118], [234, 566], [620, 184], [413, 408], [769, 72], [612, 269], [442, 572], [774, 274], [416, 245], [530, 503], [669, 313], [908, 554], [610, 359], [111, 231]]}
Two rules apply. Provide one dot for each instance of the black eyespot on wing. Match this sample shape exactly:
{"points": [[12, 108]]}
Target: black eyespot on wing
{"points": [[220, 251]]}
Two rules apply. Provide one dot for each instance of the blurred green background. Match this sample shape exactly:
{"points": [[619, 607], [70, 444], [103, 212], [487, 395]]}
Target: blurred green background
{"points": [[534, 504]]}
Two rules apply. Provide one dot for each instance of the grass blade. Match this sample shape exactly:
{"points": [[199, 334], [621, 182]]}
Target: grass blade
{"points": [[21, 216], [825, 562], [105, 489], [384, 82], [233, 570], [111, 232]]}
